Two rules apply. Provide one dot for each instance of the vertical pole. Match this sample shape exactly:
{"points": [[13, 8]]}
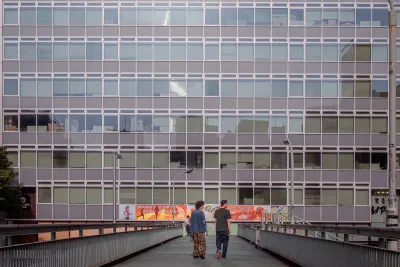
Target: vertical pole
{"points": [[114, 187], [392, 212], [292, 183], [173, 200]]}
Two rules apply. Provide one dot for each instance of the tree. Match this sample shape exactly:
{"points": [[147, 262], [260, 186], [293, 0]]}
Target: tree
{"points": [[10, 190]]}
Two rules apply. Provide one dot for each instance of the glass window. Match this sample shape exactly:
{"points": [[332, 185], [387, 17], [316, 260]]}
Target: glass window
{"points": [[94, 51], [194, 194], [346, 125], [380, 88], [44, 159], [312, 197], [129, 160], [60, 123], [313, 52], [180, 195], [94, 87], [313, 160], [76, 123], [44, 195], [347, 16], [212, 124], [10, 123], [110, 87], [10, 51], [161, 124], [10, 87], [111, 16], [362, 197], [28, 16], [178, 124], [330, 16], [211, 52], [362, 125], [111, 51], [178, 51], [60, 51], [262, 196], [278, 124], [379, 125], [279, 52], [77, 159], [279, 88], [93, 195], [346, 197], [313, 88], [228, 124], [362, 161], [245, 196], [245, 160], [263, 16], [10, 15], [262, 52], [296, 125], [212, 16], [194, 16], [109, 195], [229, 194], [144, 160], [246, 88], [127, 123], [329, 197], [297, 17], [211, 195], [346, 88], [278, 160], [246, 52], [363, 89], [228, 51], [262, 88], [194, 51], [211, 160], [144, 16], [347, 52], [329, 124], [194, 87], [278, 196], [45, 87], [77, 87], [330, 52], [177, 159], [127, 195], [229, 88], [144, 123], [44, 123], [296, 52], [329, 89], [161, 16], [28, 159], [228, 160], [380, 52], [314, 17], [60, 159], [212, 88], [195, 159], [330, 161], [127, 16], [28, 123], [28, 51], [245, 124], [160, 195], [262, 160], [127, 51], [28, 87], [144, 87], [143, 195], [60, 195], [194, 124], [94, 123], [177, 88], [346, 161], [363, 16], [77, 51], [229, 16], [279, 16], [313, 125], [94, 16], [13, 157], [379, 161], [161, 87], [77, 195], [111, 123], [178, 16], [60, 16], [77, 16], [246, 16], [295, 88], [363, 52], [298, 196], [127, 87], [93, 160]]}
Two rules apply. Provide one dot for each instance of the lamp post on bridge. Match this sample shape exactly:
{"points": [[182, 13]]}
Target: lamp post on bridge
{"points": [[173, 191], [289, 143], [116, 156]]}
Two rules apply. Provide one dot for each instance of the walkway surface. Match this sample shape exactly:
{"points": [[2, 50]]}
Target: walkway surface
{"points": [[178, 253]]}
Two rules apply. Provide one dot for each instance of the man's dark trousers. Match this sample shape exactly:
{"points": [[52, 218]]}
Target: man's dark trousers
{"points": [[222, 241]]}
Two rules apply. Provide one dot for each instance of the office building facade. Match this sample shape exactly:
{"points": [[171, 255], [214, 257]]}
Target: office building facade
{"points": [[209, 85]]}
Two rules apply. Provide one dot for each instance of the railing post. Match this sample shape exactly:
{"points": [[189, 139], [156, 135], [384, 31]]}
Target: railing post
{"points": [[53, 235], [346, 238], [306, 233], [323, 235], [101, 231], [135, 228], [381, 242], [114, 230], [80, 233], [126, 228], [294, 231]]}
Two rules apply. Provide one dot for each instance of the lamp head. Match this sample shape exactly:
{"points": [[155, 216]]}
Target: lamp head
{"points": [[286, 142], [189, 171], [118, 155]]}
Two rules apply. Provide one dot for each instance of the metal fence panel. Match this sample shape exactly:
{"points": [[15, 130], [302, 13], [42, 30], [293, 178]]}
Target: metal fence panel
{"points": [[314, 252], [84, 251], [249, 234]]}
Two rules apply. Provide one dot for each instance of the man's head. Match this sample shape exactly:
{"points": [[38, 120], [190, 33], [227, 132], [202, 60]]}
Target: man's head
{"points": [[200, 205], [224, 203], [187, 217]]}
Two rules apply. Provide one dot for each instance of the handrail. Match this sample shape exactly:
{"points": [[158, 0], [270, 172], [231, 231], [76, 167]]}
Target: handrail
{"points": [[26, 229]]}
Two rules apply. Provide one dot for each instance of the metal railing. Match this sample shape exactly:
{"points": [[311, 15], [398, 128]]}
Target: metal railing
{"points": [[85, 251], [294, 243]]}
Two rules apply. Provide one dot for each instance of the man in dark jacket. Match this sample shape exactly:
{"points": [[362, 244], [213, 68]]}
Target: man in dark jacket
{"points": [[223, 228]]}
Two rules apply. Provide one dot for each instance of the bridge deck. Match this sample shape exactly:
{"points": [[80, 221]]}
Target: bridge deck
{"points": [[178, 253]]}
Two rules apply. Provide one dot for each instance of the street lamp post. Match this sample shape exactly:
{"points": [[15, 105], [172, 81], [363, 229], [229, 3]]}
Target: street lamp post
{"points": [[116, 156], [392, 219], [173, 191], [289, 143]]}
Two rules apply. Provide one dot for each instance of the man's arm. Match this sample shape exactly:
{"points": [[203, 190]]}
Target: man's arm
{"points": [[229, 225]]}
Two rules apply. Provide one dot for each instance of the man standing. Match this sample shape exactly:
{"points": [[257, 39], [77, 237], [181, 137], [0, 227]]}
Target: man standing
{"points": [[187, 225], [198, 227], [222, 228]]}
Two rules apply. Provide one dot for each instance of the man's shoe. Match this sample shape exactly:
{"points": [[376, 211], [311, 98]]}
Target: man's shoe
{"points": [[202, 257], [219, 254], [195, 257]]}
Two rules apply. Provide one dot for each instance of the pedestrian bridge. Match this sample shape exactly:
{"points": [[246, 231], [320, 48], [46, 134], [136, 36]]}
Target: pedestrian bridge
{"points": [[163, 244]]}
